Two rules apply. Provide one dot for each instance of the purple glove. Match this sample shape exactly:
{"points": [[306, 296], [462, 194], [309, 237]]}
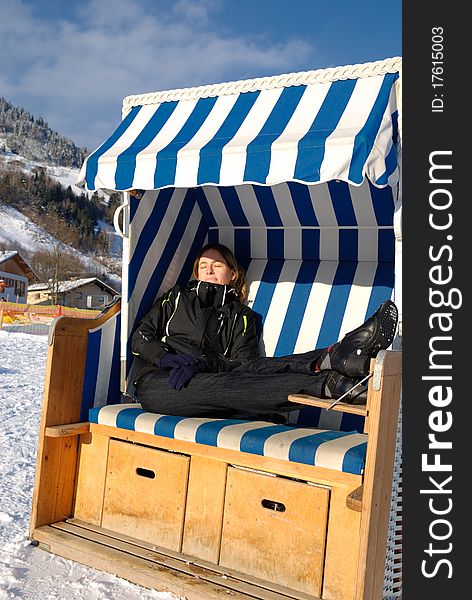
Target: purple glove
{"points": [[180, 376], [172, 361]]}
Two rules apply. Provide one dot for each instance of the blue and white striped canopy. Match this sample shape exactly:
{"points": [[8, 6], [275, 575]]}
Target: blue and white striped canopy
{"points": [[310, 133]]}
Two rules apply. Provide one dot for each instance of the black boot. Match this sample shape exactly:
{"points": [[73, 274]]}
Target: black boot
{"points": [[336, 385], [351, 356]]}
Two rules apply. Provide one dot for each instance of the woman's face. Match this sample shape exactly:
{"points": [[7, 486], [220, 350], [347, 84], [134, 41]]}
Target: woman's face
{"points": [[213, 268]]}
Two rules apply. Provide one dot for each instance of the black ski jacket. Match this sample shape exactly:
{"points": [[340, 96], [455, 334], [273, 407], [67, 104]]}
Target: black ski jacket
{"points": [[205, 320]]}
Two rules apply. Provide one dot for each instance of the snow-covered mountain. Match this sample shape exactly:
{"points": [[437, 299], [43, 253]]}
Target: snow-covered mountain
{"points": [[35, 140], [28, 145], [18, 232]]}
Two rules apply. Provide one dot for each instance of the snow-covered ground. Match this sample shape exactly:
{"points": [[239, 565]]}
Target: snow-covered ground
{"points": [[25, 571]]}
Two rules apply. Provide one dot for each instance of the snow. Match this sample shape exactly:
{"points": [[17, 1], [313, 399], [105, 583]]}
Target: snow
{"points": [[18, 230], [26, 571]]}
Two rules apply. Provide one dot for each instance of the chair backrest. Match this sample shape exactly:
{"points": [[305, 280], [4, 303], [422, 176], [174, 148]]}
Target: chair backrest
{"points": [[307, 304]]}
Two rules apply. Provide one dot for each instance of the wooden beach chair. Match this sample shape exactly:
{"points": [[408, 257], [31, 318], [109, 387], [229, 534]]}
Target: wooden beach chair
{"points": [[210, 507]]}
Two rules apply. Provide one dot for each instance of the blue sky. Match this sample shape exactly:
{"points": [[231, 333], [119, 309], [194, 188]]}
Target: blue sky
{"points": [[72, 62]]}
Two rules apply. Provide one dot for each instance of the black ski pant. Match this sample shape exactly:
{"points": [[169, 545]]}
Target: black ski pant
{"points": [[259, 388]]}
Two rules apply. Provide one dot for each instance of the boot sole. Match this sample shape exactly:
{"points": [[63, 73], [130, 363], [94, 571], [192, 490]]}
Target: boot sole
{"points": [[387, 320]]}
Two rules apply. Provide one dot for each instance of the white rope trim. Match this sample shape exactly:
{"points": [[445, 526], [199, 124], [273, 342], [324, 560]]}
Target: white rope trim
{"points": [[380, 67]]}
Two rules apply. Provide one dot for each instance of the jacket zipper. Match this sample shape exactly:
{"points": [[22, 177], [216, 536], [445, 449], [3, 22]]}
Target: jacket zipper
{"points": [[230, 334], [220, 326], [172, 315]]}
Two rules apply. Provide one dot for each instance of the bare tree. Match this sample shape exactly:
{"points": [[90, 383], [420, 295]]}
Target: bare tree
{"points": [[57, 263]]}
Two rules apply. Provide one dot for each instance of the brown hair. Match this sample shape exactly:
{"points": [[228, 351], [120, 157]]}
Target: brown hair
{"points": [[239, 283]]}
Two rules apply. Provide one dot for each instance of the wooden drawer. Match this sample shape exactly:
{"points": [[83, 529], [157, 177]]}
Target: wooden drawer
{"points": [[145, 493], [275, 529]]}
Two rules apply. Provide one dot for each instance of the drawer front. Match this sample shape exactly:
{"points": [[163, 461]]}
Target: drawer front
{"points": [[275, 529], [145, 493]]}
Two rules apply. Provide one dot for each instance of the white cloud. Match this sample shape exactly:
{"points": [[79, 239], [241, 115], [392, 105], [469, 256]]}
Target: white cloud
{"points": [[76, 73]]}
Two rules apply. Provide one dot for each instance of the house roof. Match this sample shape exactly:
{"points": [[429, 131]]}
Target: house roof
{"points": [[67, 286], [36, 287], [6, 255]]}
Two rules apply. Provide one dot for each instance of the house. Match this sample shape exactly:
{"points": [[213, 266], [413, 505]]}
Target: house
{"points": [[82, 293], [15, 275]]}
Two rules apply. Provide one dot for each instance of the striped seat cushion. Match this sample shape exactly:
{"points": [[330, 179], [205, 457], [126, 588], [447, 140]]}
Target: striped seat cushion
{"points": [[338, 450]]}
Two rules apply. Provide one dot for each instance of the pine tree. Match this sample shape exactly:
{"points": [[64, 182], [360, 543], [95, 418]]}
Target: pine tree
{"points": [[33, 138]]}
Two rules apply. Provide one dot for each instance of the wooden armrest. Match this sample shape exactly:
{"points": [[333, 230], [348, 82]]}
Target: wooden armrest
{"points": [[67, 430], [354, 499], [355, 409]]}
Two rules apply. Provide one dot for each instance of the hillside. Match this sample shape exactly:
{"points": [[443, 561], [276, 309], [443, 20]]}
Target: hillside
{"points": [[17, 232], [40, 206], [34, 140]]}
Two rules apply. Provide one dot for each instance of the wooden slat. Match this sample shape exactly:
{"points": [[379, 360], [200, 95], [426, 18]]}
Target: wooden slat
{"points": [[67, 478], [91, 477], [55, 490], [342, 548], [188, 560], [204, 509], [150, 568], [355, 409], [383, 420], [67, 430]]}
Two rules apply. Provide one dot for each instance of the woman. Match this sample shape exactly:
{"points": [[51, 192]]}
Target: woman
{"points": [[197, 351]]}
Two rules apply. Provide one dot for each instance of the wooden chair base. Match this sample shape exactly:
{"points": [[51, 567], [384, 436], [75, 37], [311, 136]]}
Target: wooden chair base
{"points": [[331, 544], [155, 567], [284, 523]]}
